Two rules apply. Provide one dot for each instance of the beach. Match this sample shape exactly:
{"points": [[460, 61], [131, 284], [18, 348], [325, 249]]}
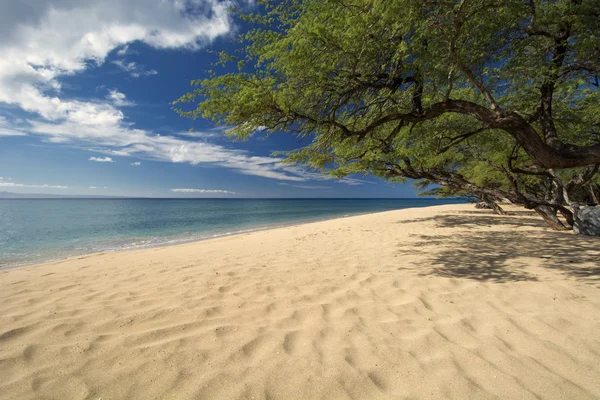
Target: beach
{"points": [[436, 302]]}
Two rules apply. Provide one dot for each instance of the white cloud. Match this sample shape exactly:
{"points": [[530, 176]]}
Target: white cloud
{"points": [[41, 44], [202, 135], [12, 185], [119, 139], [118, 99], [202, 191], [92, 187], [136, 164], [101, 159], [123, 50], [305, 186], [9, 128], [134, 69]]}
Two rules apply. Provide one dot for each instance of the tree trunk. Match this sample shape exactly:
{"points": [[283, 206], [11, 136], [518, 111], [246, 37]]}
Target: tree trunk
{"points": [[497, 209], [549, 215], [568, 215], [493, 204], [593, 193]]}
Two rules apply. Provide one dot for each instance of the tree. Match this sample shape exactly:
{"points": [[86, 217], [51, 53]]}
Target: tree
{"points": [[489, 98]]}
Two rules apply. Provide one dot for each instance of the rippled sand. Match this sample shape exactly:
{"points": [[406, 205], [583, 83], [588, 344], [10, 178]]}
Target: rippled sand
{"points": [[438, 302]]}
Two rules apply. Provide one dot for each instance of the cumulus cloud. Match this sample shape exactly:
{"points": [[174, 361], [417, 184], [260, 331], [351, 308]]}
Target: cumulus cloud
{"points": [[100, 159], [202, 191], [53, 38], [41, 44], [136, 164], [8, 184]]}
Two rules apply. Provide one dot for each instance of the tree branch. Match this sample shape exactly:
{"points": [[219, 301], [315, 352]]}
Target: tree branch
{"points": [[547, 88], [457, 24]]}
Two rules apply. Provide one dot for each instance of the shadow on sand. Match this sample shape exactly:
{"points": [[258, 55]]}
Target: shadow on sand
{"points": [[501, 256]]}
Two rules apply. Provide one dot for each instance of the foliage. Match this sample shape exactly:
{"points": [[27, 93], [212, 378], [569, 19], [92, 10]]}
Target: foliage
{"points": [[491, 98]]}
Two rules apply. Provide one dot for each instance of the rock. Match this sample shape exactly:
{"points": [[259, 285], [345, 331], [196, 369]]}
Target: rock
{"points": [[587, 220], [482, 206]]}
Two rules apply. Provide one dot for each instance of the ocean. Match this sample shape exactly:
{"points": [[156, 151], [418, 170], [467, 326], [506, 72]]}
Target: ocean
{"points": [[40, 230]]}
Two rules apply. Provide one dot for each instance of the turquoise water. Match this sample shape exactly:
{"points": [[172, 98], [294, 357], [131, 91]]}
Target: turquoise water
{"points": [[34, 231]]}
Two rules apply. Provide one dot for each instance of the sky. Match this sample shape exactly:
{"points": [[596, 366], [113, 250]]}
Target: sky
{"points": [[86, 92]]}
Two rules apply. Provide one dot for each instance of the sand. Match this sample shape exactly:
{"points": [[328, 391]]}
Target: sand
{"points": [[438, 302]]}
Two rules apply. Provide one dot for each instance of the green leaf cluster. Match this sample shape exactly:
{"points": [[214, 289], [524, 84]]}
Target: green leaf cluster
{"points": [[356, 78]]}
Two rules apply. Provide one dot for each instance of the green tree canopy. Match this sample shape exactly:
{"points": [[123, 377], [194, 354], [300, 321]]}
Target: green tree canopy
{"points": [[491, 98]]}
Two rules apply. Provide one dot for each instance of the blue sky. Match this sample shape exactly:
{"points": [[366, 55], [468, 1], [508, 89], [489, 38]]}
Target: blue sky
{"points": [[85, 93]]}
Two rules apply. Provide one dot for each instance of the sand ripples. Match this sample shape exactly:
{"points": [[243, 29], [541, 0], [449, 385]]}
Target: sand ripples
{"points": [[335, 310]]}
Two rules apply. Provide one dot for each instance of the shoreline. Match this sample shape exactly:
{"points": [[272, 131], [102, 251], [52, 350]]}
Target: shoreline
{"points": [[178, 242], [442, 302]]}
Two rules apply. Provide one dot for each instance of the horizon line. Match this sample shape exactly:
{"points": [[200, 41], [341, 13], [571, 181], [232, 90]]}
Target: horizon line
{"points": [[85, 197]]}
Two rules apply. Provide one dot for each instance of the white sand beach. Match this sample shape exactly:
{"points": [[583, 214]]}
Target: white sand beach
{"points": [[437, 302]]}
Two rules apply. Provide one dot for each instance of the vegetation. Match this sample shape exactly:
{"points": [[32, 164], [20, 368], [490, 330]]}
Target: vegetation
{"points": [[495, 99]]}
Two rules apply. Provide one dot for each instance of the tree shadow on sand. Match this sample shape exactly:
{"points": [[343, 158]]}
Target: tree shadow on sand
{"points": [[501, 256]]}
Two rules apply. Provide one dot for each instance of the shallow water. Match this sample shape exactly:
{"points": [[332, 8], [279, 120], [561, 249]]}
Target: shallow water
{"points": [[38, 230]]}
